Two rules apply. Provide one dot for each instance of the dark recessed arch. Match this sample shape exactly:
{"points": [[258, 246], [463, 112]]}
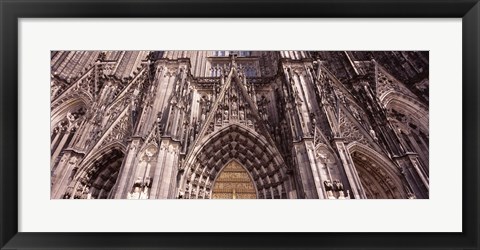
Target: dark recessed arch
{"points": [[98, 173]]}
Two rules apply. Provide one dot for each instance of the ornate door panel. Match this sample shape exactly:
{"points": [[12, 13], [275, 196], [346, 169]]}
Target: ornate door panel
{"points": [[234, 182]]}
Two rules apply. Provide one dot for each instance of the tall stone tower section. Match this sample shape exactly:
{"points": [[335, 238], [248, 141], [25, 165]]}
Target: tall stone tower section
{"points": [[239, 125]]}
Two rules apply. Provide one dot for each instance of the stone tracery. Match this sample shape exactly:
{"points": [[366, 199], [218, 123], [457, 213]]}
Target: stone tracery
{"points": [[245, 146], [293, 120]]}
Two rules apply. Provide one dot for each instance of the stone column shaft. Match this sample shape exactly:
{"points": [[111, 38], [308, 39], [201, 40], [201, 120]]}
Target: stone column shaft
{"points": [[124, 183], [352, 175]]}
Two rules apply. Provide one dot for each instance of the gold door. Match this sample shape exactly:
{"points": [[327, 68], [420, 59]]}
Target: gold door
{"points": [[234, 182]]}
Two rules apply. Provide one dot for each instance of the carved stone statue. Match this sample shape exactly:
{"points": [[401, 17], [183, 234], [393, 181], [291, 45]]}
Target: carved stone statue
{"points": [[338, 185], [373, 134], [70, 118], [242, 115], [329, 189], [181, 194], [225, 115], [328, 185]]}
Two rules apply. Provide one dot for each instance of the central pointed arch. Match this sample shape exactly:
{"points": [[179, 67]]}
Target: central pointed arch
{"points": [[234, 182], [261, 160]]}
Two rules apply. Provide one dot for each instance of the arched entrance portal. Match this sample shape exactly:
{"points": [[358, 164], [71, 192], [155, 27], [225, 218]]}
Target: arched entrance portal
{"points": [[234, 182], [97, 180], [378, 180], [252, 151]]}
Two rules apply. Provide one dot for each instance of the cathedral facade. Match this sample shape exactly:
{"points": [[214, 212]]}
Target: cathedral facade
{"points": [[239, 125]]}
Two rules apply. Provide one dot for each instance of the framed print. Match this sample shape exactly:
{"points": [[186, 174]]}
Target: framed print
{"points": [[208, 124]]}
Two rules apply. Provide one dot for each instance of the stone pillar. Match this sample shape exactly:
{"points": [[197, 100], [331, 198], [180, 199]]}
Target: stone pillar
{"points": [[165, 170], [307, 171], [317, 167], [55, 140], [63, 174], [415, 162], [124, 181], [418, 149], [415, 181], [60, 147], [352, 175]]}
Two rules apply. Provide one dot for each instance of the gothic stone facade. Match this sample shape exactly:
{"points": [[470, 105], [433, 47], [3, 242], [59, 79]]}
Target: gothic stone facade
{"points": [[239, 124]]}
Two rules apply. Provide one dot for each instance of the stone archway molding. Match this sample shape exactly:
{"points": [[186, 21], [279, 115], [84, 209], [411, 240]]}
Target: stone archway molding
{"points": [[409, 106], [235, 142], [383, 163]]}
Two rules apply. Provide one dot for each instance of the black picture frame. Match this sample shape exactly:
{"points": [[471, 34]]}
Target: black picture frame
{"points": [[11, 11]]}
